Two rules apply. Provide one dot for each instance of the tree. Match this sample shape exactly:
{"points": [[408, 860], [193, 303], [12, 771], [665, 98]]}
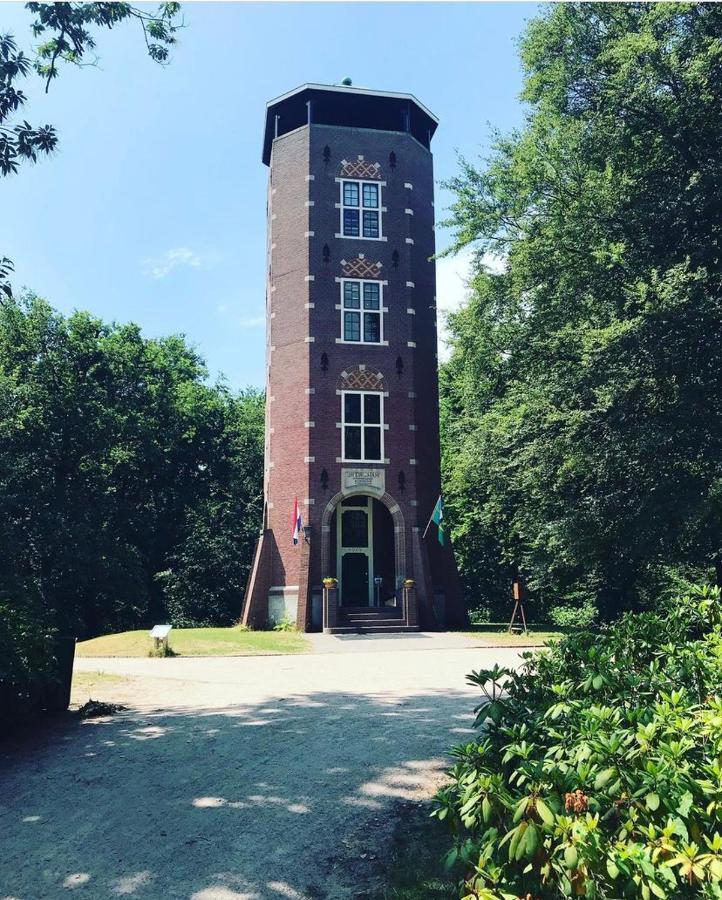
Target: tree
{"points": [[585, 387], [209, 566], [66, 33], [126, 481]]}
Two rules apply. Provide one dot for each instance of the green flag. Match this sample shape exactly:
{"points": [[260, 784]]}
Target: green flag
{"points": [[438, 516]]}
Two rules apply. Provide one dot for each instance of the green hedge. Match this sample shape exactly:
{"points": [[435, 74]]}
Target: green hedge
{"points": [[598, 769]]}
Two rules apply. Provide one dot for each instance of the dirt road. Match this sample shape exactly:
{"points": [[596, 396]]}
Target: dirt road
{"points": [[236, 777]]}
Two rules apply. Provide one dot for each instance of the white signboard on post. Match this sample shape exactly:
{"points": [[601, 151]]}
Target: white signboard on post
{"points": [[160, 632]]}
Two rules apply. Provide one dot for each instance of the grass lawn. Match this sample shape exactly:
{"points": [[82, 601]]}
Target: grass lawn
{"points": [[197, 642], [105, 685], [500, 637], [89, 680]]}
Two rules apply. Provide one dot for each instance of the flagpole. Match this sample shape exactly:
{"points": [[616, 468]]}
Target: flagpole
{"points": [[430, 518]]}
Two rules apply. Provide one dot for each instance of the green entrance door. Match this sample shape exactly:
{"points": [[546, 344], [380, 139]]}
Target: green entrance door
{"points": [[355, 552], [355, 579]]}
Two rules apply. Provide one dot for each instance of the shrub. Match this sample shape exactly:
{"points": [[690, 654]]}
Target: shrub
{"points": [[480, 614], [599, 770], [28, 674], [285, 625], [162, 651], [574, 616]]}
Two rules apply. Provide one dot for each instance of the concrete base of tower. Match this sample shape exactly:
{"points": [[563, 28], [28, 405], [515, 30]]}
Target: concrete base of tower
{"points": [[456, 614], [267, 604], [255, 601], [441, 598]]}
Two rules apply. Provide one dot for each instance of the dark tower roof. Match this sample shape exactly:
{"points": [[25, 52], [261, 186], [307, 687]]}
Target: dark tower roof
{"points": [[352, 107]]}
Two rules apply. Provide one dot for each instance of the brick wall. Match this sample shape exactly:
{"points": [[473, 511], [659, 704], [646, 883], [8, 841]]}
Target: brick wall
{"points": [[304, 324], [287, 328]]}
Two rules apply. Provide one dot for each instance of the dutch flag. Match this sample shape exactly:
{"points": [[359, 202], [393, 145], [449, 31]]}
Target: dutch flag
{"points": [[297, 523]]}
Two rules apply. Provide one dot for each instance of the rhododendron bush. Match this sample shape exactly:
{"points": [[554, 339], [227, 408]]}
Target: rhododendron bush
{"points": [[597, 771]]}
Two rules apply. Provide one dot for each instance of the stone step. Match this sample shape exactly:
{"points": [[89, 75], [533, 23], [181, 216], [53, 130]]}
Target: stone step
{"points": [[371, 617], [373, 629], [370, 610]]}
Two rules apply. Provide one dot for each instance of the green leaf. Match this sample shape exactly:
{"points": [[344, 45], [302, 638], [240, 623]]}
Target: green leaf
{"points": [[507, 837], [652, 801], [521, 843], [486, 809], [531, 840], [545, 814], [571, 857], [603, 778], [520, 809], [685, 804]]}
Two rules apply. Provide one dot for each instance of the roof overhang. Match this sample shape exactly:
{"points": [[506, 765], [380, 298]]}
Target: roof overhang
{"points": [[343, 105]]}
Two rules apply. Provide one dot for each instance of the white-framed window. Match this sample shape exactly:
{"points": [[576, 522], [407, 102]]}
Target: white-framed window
{"points": [[361, 311], [361, 209], [362, 426]]}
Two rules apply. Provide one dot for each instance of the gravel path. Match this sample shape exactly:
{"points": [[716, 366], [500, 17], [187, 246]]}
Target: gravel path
{"points": [[243, 777]]}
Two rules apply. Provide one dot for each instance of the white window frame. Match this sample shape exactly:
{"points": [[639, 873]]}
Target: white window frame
{"points": [[360, 209], [380, 311], [362, 425]]}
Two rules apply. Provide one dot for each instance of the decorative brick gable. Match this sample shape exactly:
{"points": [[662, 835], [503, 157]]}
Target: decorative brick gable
{"points": [[361, 379], [360, 169], [361, 268]]}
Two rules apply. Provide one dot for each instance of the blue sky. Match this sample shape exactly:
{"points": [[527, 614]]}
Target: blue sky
{"points": [[153, 208]]}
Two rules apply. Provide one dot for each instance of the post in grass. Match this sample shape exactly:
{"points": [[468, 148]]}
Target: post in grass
{"points": [[519, 594]]}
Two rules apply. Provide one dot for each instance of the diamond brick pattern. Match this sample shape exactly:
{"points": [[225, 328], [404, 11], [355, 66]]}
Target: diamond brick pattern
{"points": [[360, 268], [361, 169], [361, 379]]}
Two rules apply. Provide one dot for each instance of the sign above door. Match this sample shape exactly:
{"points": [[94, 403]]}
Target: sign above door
{"points": [[371, 480]]}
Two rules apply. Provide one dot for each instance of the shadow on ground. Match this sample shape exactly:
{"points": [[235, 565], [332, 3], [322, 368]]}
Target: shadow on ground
{"points": [[298, 797]]}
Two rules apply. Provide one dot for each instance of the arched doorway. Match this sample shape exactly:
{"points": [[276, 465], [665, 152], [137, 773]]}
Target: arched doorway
{"points": [[361, 540]]}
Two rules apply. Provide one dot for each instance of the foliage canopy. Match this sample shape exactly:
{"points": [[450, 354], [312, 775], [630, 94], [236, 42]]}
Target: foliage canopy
{"points": [[130, 488], [582, 405]]}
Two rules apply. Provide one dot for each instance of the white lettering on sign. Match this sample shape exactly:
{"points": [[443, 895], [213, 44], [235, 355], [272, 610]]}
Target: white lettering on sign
{"points": [[372, 480]]}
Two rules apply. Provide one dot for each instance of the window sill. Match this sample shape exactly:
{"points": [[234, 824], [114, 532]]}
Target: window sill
{"points": [[350, 237], [363, 343]]}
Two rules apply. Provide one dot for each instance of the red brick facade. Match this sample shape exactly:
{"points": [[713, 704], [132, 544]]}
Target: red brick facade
{"points": [[307, 364]]}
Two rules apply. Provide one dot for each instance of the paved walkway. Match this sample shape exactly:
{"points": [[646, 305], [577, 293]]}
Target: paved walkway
{"points": [[237, 777], [365, 643]]}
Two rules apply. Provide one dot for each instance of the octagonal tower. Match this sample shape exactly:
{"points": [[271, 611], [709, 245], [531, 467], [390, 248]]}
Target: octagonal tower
{"points": [[352, 417]]}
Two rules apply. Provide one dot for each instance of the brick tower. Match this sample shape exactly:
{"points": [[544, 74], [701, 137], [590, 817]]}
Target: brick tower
{"points": [[352, 418]]}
